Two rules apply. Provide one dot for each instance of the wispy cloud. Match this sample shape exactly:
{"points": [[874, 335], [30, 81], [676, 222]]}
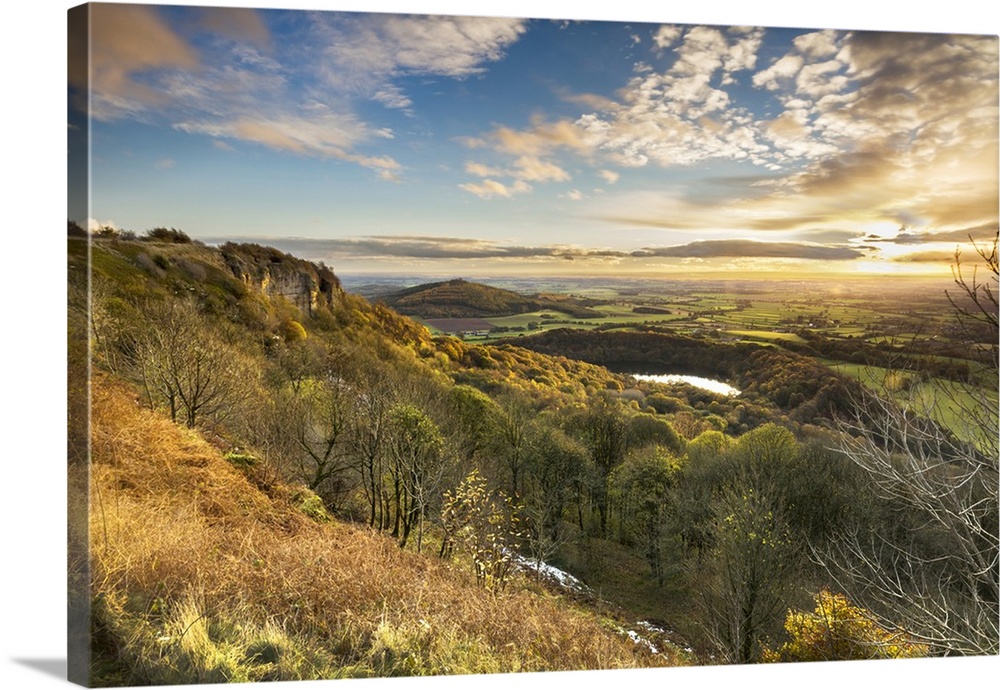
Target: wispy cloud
{"points": [[126, 41], [979, 233], [675, 117], [376, 47], [430, 247], [751, 248], [489, 188], [239, 86]]}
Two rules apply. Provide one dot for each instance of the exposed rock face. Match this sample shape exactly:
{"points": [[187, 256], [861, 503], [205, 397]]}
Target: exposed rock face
{"points": [[273, 273]]}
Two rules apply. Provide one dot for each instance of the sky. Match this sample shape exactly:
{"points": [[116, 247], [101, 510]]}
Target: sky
{"points": [[443, 144]]}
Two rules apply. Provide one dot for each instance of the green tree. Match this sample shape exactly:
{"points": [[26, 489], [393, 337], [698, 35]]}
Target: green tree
{"points": [[416, 467], [707, 468], [750, 570], [474, 420], [604, 429], [647, 429], [640, 487], [552, 474]]}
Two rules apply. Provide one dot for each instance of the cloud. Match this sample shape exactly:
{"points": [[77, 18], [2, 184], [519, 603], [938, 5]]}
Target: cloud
{"points": [[894, 126], [534, 169], [480, 170], [431, 247], [529, 166], [828, 235], [751, 248], [819, 44], [489, 189], [930, 256], [979, 233], [524, 170], [328, 135], [391, 96], [677, 117], [302, 95], [418, 247], [372, 48], [784, 68], [666, 35], [126, 41], [609, 176], [542, 138]]}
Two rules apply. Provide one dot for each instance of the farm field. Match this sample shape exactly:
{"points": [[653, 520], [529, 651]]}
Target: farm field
{"points": [[910, 315]]}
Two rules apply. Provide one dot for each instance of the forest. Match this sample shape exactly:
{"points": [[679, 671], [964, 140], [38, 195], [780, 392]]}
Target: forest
{"points": [[266, 419]]}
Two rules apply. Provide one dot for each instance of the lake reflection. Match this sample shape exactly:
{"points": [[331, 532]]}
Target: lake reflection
{"points": [[697, 381]]}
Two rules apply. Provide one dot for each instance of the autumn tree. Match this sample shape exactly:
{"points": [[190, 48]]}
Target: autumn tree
{"points": [[484, 524]]}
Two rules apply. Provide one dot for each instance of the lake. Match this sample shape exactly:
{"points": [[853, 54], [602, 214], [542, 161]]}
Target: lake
{"points": [[696, 381]]}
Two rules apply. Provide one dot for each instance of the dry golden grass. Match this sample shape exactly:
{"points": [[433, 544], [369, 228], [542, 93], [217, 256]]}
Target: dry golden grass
{"points": [[199, 576]]}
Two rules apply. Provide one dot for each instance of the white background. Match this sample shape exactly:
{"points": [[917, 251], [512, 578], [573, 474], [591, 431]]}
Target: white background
{"points": [[32, 280]]}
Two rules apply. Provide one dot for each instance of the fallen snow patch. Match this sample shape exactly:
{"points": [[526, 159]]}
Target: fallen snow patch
{"points": [[550, 573]]}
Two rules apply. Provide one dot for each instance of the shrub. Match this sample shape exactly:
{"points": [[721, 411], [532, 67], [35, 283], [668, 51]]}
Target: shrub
{"points": [[293, 331], [311, 505], [838, 630], [171, 235], [241, 459]]}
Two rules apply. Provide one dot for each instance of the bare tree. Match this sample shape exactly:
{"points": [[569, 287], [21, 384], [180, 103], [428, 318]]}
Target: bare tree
{"points": [[933, 458], [184, 364], [318, 418]]}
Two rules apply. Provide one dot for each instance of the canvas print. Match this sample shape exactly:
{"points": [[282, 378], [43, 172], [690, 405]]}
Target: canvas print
{"points": [[421, 345]]}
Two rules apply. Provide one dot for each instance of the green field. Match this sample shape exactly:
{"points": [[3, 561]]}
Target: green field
{"points": [[768, 336], [956, 406]]}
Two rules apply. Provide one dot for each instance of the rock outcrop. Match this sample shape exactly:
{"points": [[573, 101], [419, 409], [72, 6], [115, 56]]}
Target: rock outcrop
{"points": [[275, 274]]}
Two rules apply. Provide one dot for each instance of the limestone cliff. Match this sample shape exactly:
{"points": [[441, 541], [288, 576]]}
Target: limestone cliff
{"points": [[273, 273]]}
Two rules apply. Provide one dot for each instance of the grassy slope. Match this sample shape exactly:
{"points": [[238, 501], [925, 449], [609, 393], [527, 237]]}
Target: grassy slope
{"points": [[204, 573]]}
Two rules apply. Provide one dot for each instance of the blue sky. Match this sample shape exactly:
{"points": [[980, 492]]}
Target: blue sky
{"points": [[485, 145]]}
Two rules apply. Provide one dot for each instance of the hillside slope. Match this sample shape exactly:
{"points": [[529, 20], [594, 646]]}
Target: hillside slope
{"points": [[206, 572]]}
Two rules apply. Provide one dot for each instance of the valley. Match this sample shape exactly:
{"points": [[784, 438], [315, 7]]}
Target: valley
{"points": [[294, 422]]}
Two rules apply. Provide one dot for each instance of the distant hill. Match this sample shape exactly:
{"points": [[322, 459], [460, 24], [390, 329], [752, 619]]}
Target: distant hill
{"points": [[459, 299]]}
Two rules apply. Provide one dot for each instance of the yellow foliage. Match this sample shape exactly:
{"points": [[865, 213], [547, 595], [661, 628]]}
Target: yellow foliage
{"points": [[838, 630]]}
